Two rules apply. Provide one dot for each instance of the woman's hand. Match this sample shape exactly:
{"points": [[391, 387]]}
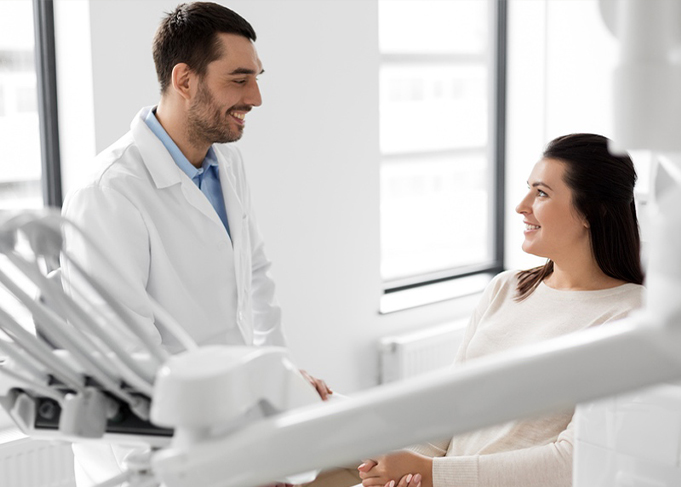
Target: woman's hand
{"points": [[407, 481], [397, 466]]}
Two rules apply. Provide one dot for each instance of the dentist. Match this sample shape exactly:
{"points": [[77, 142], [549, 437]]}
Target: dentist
{"points": [[170, 204]]}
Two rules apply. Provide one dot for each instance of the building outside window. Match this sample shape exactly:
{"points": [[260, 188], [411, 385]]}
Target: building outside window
{"points": [[439, 158], [20, 151]]}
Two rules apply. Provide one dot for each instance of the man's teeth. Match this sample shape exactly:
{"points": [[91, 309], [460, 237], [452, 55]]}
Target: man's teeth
{"points": [[241, 116], [531, 227]]}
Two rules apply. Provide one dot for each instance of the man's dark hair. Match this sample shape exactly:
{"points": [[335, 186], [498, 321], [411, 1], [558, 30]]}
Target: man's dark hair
{"points": [[188, 35]]}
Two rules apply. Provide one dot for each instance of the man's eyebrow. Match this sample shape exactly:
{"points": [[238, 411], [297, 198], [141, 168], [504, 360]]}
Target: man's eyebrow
{"points": [[246, 71], [541, 183]]}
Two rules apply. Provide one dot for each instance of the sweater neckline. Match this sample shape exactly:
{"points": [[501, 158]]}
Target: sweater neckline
{"points": [[596, 293]]}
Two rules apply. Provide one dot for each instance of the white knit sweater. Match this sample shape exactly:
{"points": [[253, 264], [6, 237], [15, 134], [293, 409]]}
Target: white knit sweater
{"points": [[534, 452]]}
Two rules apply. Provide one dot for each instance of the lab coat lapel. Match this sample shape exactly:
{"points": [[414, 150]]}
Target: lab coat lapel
{"points": [[235, 210], [165, 172], [199, 201], [160, 164]]}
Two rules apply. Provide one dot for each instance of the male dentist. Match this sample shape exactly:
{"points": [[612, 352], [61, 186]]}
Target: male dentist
{"points": [[170, 204]]}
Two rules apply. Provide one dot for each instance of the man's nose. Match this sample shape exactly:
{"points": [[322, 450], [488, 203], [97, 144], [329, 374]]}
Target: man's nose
{"points": [[253, 97]]}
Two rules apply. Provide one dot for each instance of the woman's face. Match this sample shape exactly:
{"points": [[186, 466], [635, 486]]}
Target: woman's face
{"points": [[553, 227]]}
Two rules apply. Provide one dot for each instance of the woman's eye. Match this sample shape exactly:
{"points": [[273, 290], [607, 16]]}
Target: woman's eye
{"points": [[541, 193]]}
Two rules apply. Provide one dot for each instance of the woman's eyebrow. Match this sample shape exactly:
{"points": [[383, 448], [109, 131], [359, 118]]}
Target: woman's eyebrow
{"points": [[541, 183]]}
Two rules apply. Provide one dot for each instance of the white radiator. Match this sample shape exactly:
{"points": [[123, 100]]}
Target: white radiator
{"points": [[412, 354], [31, 463]]}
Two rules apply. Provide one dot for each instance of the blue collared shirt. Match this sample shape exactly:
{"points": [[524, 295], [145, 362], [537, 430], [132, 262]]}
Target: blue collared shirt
{"points": [[206, 178]]}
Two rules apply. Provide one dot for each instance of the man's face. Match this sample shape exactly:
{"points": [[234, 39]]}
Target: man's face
{"points": [[226, 93]]}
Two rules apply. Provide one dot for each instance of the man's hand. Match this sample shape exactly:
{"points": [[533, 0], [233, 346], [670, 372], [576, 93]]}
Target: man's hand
{"points": [[404, 468], [323, 390]]}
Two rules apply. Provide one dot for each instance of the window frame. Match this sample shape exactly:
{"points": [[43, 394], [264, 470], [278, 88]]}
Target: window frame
{"points": [[46, 72], [496, 150]]}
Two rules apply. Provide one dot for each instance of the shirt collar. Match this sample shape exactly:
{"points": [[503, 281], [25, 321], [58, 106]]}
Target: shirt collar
{"points": [[180, 159]]}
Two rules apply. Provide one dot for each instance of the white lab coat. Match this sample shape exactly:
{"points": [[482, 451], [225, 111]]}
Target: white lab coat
{"points": [[164, 236], [168, 242]]}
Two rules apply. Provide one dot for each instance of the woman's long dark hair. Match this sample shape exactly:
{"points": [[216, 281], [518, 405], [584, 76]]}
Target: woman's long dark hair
{"points": [[602, 187]]}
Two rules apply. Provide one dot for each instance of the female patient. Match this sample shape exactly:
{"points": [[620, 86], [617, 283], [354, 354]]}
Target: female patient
{"points": [[578, 213]]}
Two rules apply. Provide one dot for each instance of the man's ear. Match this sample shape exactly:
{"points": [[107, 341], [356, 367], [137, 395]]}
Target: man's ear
{"points": [[182, 77]]}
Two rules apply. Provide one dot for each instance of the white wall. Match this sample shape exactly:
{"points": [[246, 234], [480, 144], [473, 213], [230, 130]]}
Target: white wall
{"points": [[312, 155]]}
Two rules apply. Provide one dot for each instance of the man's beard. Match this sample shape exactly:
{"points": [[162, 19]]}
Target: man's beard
{"points": [[206, 123]]}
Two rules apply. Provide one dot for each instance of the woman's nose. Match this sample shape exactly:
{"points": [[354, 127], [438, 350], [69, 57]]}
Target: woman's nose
{"points": [[523, 207]]}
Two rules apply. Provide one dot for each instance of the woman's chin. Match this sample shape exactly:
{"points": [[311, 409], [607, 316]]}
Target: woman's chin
{"points": [[528, 249]]}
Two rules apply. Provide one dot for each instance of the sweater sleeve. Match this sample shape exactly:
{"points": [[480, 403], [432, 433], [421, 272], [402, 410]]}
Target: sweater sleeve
{"points": [[431, 449], [548, 465]]}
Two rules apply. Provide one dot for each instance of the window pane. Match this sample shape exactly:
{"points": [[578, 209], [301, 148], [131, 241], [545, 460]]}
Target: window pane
{"points": [[427, 107], [20, 164], [435, 101], [433, 26], [434, 214]]}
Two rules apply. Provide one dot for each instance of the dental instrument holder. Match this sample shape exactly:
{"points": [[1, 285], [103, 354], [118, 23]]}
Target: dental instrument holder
{"points": [[198, 395], [85, 414], [81, 408], [207, 394]]}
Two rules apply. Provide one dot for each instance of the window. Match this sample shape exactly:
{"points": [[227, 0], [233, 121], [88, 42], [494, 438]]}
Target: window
{"points": [[441, 139], [20, 169], [29, 155]]}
